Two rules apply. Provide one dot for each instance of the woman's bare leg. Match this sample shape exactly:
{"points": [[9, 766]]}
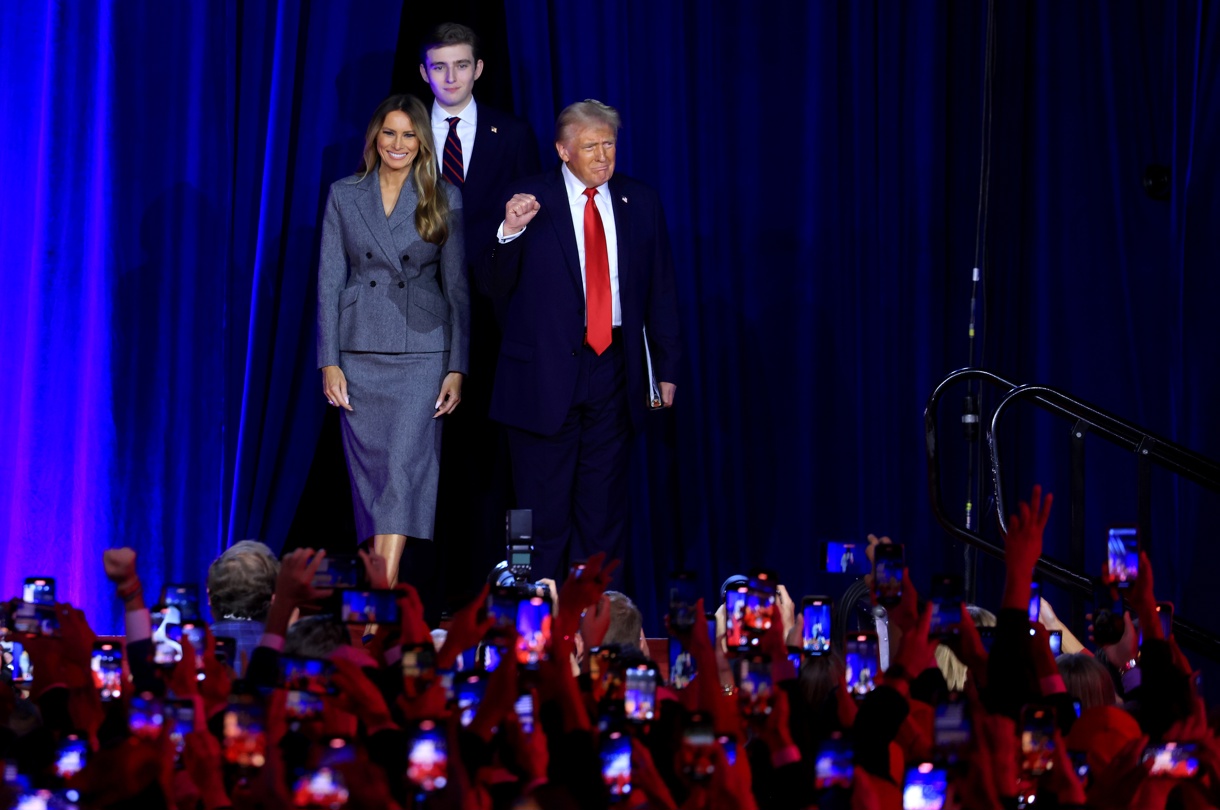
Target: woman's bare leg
{"points": [[391, 547]]}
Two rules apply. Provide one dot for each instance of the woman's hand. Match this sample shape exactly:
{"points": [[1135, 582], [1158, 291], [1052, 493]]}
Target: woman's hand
{"points": [[451, 394], [334, 387]]}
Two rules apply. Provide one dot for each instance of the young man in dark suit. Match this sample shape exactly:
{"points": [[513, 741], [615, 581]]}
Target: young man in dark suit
{"points": [[482, 150], [581, 267]]}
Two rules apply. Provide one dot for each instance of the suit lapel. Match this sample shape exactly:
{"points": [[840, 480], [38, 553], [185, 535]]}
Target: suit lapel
{"points": [[622, 233], [555, 199], [373, 213], [486, 149]]}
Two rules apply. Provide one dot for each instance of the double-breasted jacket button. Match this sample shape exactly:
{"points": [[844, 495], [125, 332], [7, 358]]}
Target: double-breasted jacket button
{"points": [[368, 255], [372, 283], [406, 258], [401, 284]]}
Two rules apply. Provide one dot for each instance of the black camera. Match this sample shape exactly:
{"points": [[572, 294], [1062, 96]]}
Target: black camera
{"points": [[518, 565]]}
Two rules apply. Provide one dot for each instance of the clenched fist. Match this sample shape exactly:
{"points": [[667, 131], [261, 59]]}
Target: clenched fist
{"points": [[518, 212]]}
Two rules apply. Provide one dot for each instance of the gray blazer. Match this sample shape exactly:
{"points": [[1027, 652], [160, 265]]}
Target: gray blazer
{"points": [[381, 288]]}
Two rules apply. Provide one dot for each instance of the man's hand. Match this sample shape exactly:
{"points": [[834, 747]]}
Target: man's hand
{"points": [[467, 629], [1023, 547], [667, 394], [120, 564], [295, 582], [518, 212]]}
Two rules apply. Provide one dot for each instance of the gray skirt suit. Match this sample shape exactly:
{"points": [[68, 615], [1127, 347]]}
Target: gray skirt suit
{"points": [[394, 315]]}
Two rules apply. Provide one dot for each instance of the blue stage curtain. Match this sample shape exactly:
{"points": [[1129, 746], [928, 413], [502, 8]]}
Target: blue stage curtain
{"points": [[819, 164], [164, 167]]}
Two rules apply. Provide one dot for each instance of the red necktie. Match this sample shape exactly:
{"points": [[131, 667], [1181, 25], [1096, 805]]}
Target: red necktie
{"points": [[451, 163], [598, 304]]}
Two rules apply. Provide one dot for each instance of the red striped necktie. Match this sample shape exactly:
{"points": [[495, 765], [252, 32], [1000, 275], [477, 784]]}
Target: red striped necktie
{"points": [[598, 304], [451, 164]]}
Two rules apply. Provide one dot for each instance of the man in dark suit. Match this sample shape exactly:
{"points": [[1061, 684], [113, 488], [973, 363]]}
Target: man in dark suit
{"points": [[481, 151], [582, 265]]}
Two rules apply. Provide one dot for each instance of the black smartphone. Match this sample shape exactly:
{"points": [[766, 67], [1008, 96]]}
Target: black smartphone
{"points": [[469, 691], [844, 557], [640, 699], [418, 669], [17, 661], [755, 687], [244, 741], [146, 716], [818, 615], [1164, 611], [925, 787], [696, 756], [947, 594], [1175, 760], [226, 650], [987, 636], [39, 591], [185, 597], [862, 658], [889, 560], [30, 619], [180, 717], [682, 668], [1035, 601], [313, 675], [1123, 555], [607, 674], [952, 731], [1056, 639], [71, 756], [502, 610], [616, 765], [368, 607], [167, 636], [338, 571], [323, 786], [1037, 739], [428, 757], [735, 616], [533, 631], [760, 604], [683, 594], [106, 663]]}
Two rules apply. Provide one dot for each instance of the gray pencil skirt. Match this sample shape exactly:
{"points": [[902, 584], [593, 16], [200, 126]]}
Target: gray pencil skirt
{"points": [[392, 443]]}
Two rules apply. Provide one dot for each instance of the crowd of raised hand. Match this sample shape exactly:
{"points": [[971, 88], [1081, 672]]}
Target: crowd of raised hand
{"points": [[322, 713]]}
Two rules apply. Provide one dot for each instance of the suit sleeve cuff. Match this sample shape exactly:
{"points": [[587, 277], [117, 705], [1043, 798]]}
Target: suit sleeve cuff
{"points": [[504, 240]]}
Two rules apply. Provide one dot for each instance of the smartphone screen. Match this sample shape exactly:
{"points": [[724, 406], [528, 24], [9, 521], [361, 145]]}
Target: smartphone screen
{"points": [[312, 675], [185, 597], [145, 717], [106, 663], [321, 787], [843, 557], [533, 631], [1123, 555], [338, 571], [816, 611], [683, 594], [502, 610], [35, 620], [39, 591], [760, 605], [925, 787], [952, 731], [226, 650], [71, 757], [428, 757], [1035, 601], [608, 675], [755, 689], [947, 595], [1164, 611], [682, 669], [180, 717], [524, 709], [368, 607], [735, 613], [167, 636], [1173, 759], [641, 694], [616, 765], [1037, 739], [833, 766], [695, 757], [1056, 638], [469, 691], [863, 663], [244, 743], [418, 669], [302, 707], [17, 660], [729, 746], [888, 564]]}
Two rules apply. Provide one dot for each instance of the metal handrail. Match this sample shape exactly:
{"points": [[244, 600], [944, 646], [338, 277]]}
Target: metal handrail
{"points": [[1148, 447]]}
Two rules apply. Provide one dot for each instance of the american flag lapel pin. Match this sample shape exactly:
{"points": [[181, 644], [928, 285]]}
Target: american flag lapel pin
{"points": [[493, 129], [624, 199]]}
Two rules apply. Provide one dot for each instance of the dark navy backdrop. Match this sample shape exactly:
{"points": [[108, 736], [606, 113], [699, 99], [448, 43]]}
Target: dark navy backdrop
{"points": [[164, 167]]}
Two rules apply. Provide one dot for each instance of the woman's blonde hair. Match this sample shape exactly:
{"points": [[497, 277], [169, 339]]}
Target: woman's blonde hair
{"points": [[433, 205]]}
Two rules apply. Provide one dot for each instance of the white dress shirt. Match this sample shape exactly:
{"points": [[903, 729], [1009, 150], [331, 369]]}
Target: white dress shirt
{"points": [[467, 126], [576, 204]]}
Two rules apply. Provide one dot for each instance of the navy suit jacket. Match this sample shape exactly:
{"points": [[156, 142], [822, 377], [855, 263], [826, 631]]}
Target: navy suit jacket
{"points": [[537, 277], [505, 151]]}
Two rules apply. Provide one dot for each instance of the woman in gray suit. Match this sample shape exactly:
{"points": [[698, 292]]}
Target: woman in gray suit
{"points": [[393, 323]]}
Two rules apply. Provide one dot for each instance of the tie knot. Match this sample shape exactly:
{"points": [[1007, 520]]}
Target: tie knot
{"points": [[590, 193], [453, 122]]}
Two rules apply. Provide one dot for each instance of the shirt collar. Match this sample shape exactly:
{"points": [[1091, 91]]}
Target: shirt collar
{"points": [[469, 114], [576, 189]]}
